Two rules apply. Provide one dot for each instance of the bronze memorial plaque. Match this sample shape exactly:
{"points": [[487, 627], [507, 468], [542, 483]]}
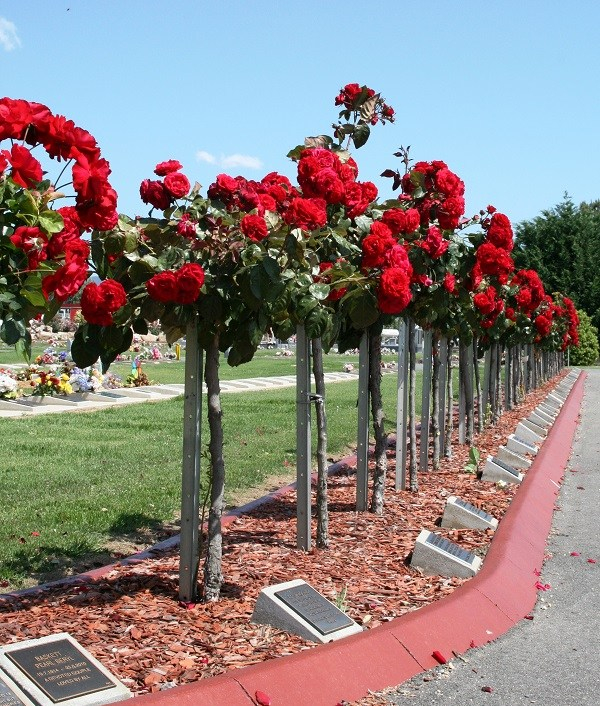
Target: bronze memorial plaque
{"points": [[314, 608], [60, 670]]}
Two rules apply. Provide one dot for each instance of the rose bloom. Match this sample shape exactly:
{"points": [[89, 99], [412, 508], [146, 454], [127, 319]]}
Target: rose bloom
{"points": [[543, 324], [100, 301], [393, 293], [254, 227], [494, 261], [450, 283], [154, 193], [186, 226], [26, 170], [190, 279], [308, 214], [223, 189], [177, 184], [485, 302], [33, 242], [163, 287], [377, 245], [329, 186], [450, 211], [449, 183], [434, 244], [395, 220], [413, 220], [398, 257], [500, 232], [69, 278], [164, 168]]}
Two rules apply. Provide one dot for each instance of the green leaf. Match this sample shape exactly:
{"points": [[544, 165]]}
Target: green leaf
{"points": [[122, 315], [151, 310], [304, 307], [34, 297], [85, 349], [363, 310], [11, 331], [114, 244], [23, 346], [142, 270], [320, 291], [51, 221], [140, 326], [361, 135], [317, 323]]}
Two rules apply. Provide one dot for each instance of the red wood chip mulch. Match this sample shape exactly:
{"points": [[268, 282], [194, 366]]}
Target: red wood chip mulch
{"points": [[131, 620]]}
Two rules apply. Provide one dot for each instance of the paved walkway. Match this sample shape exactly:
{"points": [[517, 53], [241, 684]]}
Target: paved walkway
{"points": [[27, 406], [551, 660]]}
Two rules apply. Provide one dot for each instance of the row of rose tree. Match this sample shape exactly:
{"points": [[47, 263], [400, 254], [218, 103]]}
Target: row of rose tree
{"points": [[254, 256]]}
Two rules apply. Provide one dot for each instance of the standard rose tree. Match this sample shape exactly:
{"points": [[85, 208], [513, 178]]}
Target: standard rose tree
{"points": [[43, 253]]}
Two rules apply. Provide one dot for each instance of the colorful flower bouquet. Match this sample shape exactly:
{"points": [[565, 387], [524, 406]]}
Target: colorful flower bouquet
{"points": [[9, 387], [49, 384]]}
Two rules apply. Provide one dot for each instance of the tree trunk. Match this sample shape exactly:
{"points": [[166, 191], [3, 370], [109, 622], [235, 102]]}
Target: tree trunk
{"points": [[412, 410], [435, 405], [321, 421], [478, 387], [449, 403], [213, 577], [378, 427]]}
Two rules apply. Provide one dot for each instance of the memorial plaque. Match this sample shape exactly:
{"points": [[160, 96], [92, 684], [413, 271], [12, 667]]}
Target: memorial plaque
{"points": [[505, 466], [454, 550], [8, 697], [60, 670], [475, 510], [314, 608], [526, 443]]}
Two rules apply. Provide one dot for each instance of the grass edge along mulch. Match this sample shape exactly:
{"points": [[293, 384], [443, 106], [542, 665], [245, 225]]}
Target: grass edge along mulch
{"points": [[131, 621]]}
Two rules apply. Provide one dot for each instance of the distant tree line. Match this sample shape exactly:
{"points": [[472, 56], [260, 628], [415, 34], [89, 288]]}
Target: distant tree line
{"points": [[563, 246]]}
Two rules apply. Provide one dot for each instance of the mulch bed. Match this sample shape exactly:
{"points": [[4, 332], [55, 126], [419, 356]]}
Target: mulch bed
{"points": [[131, 620]]}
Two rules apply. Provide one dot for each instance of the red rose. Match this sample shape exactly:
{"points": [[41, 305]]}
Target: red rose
{"points": [[450, 283], [26, 170], [177, 184], [413, 220], [450, 211], [449, 183], [89, 177], [395, 220], [100, 301], [69, 278], [163, 287], [398, 257], [190, 279], [154, 193], [307, 214], [164, 168], [393, 293], [223, 189], [377, 245], [186, 227], [329, 186], [500, 232], [33, 242], [434, 244], [254, 227], [494, 261]]}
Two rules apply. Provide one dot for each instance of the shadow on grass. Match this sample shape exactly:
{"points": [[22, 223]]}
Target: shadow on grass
{"points": [[39, 562]]}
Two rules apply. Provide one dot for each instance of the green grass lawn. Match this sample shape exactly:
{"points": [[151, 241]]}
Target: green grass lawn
{"points": [[70, 483]]}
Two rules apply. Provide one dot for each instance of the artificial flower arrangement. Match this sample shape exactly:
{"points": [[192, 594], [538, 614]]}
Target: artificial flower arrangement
{"points": [[50, 384]]}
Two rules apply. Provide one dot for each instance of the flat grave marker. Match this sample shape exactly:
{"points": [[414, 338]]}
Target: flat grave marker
{"points": [[520, 446], [528, 435], [461, 514], [295, 606], [497, 470], [512, 458], [438, 556], [11, 695], [58, 670]]}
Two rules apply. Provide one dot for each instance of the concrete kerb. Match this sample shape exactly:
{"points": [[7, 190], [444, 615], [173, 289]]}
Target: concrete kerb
{"points": [[476, 613]]}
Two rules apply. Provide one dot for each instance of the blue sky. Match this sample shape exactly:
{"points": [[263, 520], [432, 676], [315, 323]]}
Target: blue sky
{"points": [[505, 92]]}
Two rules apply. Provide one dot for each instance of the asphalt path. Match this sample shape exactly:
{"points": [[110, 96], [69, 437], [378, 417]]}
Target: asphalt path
{"points": [[552, 659]]}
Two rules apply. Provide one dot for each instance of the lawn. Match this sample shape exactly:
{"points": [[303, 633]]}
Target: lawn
{"points": [[73, 483]]}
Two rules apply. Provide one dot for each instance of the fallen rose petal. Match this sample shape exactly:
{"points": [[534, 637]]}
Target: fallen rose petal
{"points": [[542, 586], [537, 572], [35, 534], [439, 657], [575, 554], [487, 689], [529, 617], [262, 698], [591, 561], [472, 644], [188, 605]]}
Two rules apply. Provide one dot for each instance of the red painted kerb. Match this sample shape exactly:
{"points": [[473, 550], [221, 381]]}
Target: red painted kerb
{"points": [[502, 593]]}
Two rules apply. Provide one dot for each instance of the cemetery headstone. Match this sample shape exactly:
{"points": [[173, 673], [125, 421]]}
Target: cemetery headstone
{"points": [[297, 607], [58, 670], [520, 446], [524, 433], [11, 695]]}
